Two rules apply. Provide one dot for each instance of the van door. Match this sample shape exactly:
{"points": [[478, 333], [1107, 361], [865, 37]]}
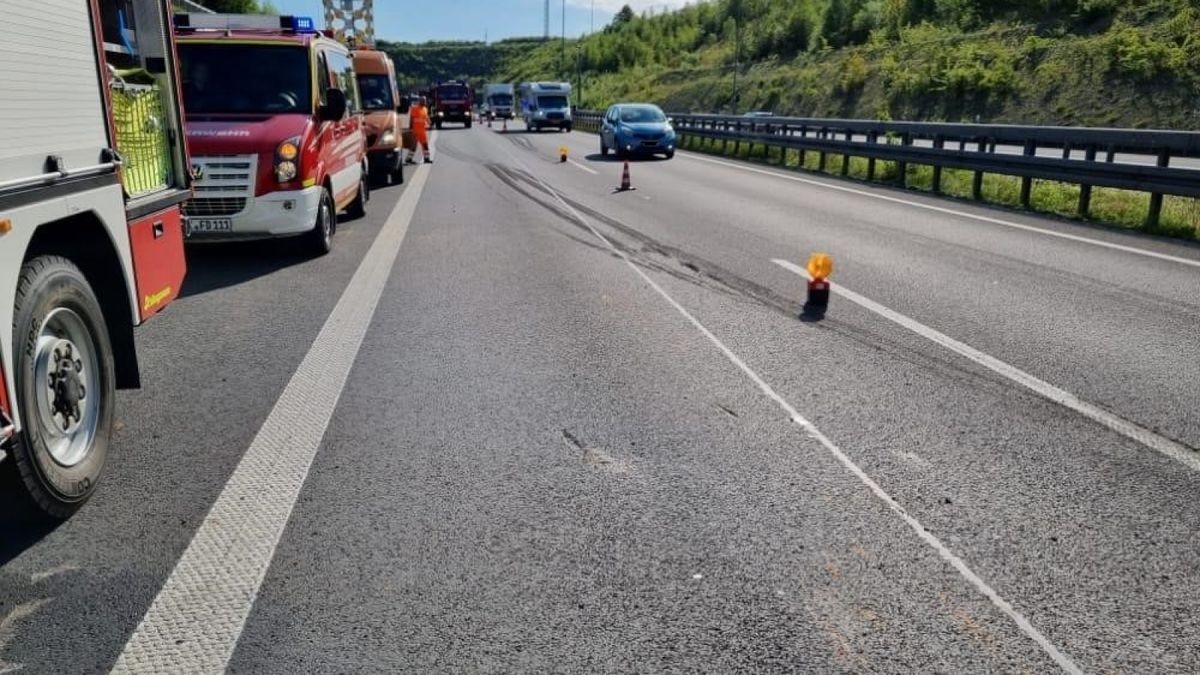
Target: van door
{"points": [[350, 139]]}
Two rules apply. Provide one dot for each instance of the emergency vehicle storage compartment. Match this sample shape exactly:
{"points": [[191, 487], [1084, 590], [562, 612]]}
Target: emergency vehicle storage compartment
{"points": [[147, 117]]}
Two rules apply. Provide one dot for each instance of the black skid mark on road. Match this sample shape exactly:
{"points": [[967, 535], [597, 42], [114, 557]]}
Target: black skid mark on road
{"points": [[683, 265], [521, 182]]}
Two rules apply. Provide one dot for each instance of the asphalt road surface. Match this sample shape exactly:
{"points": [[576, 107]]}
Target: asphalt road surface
{"points": [[517, 422]]}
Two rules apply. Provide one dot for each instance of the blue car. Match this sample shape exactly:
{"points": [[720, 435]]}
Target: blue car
{"points": [[637, 129]]}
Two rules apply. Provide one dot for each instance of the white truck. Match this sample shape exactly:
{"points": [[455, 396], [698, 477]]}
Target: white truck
{"points": [[498, 101], [546, 104], [93, 169]]}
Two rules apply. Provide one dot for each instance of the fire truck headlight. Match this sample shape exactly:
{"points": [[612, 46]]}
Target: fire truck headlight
{"points": [[285, 171]]}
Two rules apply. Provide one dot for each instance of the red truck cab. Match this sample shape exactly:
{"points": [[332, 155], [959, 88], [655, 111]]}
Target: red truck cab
{"points": [[452, 102], [274, 126]]}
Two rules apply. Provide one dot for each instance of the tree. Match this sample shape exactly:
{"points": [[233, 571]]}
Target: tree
{"points": [[623, 17]]}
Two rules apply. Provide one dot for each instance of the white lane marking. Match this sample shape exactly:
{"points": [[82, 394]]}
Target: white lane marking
{"points": [[194, 623], [1061, 659], [952, 212], [1131, 430], [584, 167]]}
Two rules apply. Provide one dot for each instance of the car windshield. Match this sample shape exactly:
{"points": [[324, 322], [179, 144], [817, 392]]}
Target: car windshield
{"points": [[502, 99], [376, 92], [452, 93], [552, 102], [245, 79], [642, 114]]}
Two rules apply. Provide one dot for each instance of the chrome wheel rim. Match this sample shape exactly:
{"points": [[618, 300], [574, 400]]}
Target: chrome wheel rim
{"points": [[67, 386]]}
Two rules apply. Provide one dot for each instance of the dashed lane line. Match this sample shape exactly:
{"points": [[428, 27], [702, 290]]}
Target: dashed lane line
{"points": [[1131, 430], [194, 623]]}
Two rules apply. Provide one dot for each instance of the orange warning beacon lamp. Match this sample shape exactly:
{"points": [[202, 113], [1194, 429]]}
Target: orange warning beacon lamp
{"points": [[820, 267]]}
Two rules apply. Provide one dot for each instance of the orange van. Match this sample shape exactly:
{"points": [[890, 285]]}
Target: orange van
{"points": [[386, 116]]}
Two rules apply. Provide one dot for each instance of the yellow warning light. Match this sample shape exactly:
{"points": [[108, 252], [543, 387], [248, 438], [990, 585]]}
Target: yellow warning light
{"points": [[288, 151], [820, 266]]}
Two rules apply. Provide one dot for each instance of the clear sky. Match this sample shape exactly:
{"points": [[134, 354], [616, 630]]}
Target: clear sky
{"points": [[417, 21]]}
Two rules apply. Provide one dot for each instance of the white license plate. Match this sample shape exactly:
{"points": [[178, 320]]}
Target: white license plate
{"points": [[206, 225]]}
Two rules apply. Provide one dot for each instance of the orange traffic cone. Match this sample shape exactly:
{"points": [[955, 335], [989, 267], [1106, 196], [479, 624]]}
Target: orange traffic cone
{"points": [[562, 154], [626, 184]]}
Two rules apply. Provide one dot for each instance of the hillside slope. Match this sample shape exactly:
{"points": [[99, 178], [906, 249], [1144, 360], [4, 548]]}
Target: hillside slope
{"points": [[1078, 62]]}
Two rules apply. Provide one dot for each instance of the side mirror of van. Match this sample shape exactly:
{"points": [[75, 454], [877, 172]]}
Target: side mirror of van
{"points": [[334, 108]]}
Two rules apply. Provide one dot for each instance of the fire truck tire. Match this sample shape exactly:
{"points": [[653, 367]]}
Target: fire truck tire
{"points": [[358, 207], [320, 238], [64, 376]]}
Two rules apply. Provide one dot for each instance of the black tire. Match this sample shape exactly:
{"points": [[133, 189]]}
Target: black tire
{"points": [[398, 174], [438, 125], [468, 124], [48, 284], [320, 239], [603, 148], [358, 207], [671, 154]]}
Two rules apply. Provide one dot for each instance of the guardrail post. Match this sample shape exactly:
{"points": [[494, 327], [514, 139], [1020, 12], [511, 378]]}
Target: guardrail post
{"points": [[977, 181], [822, 134], [1067, 151], [737, 143], [1027, 182], [801, 159], [1156, 198], [1111, 156], [846, 156], [939, 143], [872, 138], [902, 167], [1085, 191]]}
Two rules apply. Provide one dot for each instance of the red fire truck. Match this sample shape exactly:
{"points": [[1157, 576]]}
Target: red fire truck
{"points": [[451, 102], [275, 128], [93, 169]]}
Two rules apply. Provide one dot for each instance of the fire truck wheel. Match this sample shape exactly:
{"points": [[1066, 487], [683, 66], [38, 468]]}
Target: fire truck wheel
{"points": [[65, 385], [320, 238], [358, 207]]}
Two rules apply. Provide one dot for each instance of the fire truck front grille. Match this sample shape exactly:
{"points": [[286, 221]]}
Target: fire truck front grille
{"points": [[214, 206], [224, 184]]}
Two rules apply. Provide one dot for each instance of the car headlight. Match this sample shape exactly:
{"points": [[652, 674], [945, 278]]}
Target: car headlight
{"points": [[287, 156], [388, 138]]}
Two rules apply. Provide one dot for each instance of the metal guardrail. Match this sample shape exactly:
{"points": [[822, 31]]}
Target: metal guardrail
{"points": [[970, 147]]}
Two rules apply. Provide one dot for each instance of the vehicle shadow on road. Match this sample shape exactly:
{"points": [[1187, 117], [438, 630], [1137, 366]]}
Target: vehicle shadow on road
{"points": [[613, 159], [212, 267], [21, 524]]}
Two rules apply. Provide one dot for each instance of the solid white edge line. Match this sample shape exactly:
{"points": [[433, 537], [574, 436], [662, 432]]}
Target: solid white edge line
{"points": [[1062, 660], [940, 209], [194, 623], [1169, 448], [584, 167]]}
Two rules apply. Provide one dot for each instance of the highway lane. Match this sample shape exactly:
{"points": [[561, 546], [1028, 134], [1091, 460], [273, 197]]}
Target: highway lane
{"points": [[213, 366], [542, 462]]}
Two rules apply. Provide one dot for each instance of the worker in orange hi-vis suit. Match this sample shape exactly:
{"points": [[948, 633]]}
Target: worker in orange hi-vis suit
{"points": [[420, 129]]}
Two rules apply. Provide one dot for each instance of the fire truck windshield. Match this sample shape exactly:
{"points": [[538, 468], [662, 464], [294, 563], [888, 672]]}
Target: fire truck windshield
{"points": [[452, 92], [245, 79], [376, 92]]}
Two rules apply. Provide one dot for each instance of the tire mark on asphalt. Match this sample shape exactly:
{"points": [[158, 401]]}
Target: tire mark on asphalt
{"points": [[699, 272]]}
